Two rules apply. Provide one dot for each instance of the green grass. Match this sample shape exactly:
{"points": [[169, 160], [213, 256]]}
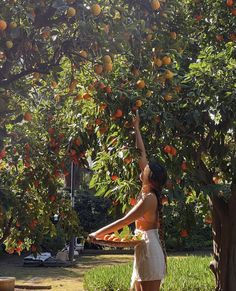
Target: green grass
{"points": [[189, 273]]}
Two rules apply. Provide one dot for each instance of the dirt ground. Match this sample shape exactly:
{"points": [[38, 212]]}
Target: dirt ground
{"points": [[61, 279]]}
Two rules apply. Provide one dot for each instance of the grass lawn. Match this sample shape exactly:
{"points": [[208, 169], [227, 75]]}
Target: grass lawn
{"points": [[71, 279], [61, 279]]}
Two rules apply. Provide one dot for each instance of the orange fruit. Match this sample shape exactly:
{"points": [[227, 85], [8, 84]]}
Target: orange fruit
{"points": [[157, 62], [114, 177], [118, 113], [86, 96], [140, 84], [173, 151], [9, 44], [83, 54], [107, 59], [166, 60], [13, 25], [173, 34], [233, 12], [117, 239], [3, 25], [71, 12], [28, 116], [155, 4], [98, 69], [132, 201], [107, 67], [138, 103], [106, 237], [168, 97], [128, 160], [96, 9], [184, 233], [164, 200], [230, 3], [167, 149], [169, 75], [108, 89]]}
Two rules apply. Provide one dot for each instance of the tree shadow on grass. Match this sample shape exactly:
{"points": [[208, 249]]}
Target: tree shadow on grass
{"points": [[12, 265]]}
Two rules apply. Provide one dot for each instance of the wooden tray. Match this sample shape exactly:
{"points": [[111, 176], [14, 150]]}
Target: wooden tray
{"points": [[119, 244]]}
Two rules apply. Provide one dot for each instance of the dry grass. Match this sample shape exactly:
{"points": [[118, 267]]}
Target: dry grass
{"points": [[61, 279]]}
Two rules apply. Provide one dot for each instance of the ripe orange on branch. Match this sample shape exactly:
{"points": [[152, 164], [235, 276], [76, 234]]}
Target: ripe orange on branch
{"points": [[169, 75], [140, 84], [98, 69], [138, 103], [114, 177], [3, 25], [28, 116], [9, 44], [118, 113], [166, 60], [155, 4], [230, 3], [83, 54], [184, 233], [71, 12], [168, 97], [167, 149], [96, 9], [107, 67], [107, 59]]}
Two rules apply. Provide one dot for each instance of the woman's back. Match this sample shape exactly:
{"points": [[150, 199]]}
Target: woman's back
{"points": [[150, 219]]}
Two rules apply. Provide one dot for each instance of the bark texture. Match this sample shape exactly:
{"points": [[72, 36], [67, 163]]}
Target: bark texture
{"points": [[224, 242]]}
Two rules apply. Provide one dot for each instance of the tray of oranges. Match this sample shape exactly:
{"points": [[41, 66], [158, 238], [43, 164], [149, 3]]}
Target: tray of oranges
{"points": [[125, 239]]}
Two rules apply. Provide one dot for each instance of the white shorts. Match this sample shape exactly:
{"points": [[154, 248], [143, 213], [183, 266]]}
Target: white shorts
{"points": [[149, 260]]}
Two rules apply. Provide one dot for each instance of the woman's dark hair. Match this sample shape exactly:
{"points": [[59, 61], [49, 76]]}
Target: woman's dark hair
{"points": [[158, 178]]}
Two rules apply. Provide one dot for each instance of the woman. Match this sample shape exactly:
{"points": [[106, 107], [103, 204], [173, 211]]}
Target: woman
{"points": [[149, 258]]}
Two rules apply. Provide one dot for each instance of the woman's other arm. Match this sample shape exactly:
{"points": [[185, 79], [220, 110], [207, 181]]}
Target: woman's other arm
{"points": [[136, 212]]}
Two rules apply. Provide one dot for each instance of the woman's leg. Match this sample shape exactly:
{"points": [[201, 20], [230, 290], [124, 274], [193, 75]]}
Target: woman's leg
{"points": [[150, 285], [138, 286]]}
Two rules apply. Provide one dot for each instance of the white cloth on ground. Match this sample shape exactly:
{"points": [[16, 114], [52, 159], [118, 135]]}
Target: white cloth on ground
{"points": [[149, 261]]}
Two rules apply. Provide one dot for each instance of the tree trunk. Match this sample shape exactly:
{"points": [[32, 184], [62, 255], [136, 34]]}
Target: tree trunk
{"points": [[224, 243]]}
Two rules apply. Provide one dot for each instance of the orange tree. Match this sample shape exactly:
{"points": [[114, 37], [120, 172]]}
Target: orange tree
{"points": [[75, 72], [70, 75]]}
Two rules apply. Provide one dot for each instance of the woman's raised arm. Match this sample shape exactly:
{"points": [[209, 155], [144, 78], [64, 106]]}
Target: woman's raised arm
{"points": [[139, 142]]}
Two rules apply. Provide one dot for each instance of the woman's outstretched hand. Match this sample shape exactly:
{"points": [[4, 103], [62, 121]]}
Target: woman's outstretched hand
{"points": [[136, 120]]}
